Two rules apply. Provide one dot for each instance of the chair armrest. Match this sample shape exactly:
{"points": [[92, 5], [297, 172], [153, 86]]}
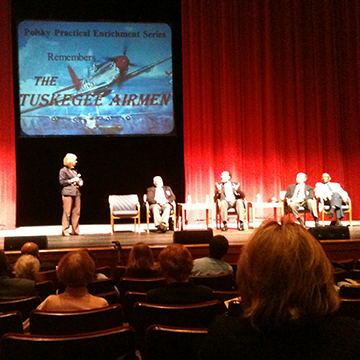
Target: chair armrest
{"points": [[111, 203]]}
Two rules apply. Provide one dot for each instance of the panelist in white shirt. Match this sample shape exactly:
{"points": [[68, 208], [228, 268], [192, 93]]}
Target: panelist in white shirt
{"points": [[332, 194], [160, 198]]}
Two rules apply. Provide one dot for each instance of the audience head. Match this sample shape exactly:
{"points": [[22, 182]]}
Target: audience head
{"points": [[30, 248], [284, 276], [5, 269], [141, 257], [176, 263], [158, 181], [219, 246], [27, 267], [76, 269], [301, 178]]}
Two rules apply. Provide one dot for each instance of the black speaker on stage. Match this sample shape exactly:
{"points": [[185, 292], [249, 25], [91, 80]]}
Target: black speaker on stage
{"points": [[193, 236], [330, 233], [16, 242]]}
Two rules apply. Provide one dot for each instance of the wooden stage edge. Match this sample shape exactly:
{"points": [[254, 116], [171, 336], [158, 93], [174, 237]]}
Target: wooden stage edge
{"points": [[99, 240]]}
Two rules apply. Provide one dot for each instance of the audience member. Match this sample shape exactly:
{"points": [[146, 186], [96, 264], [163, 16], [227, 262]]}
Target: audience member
{"points": [[30, 248], [141, 262], [75, 270], [213, 265], [289, 301], [13, 287], [27, 267], [176, 264]]}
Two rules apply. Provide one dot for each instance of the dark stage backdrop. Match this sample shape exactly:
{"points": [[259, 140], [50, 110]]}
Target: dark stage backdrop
{"points": [[270, 88], [108, 165]]}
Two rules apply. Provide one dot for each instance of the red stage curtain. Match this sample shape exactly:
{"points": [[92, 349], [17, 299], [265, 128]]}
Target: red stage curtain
{"points": [[7, 125], [271, 88]]}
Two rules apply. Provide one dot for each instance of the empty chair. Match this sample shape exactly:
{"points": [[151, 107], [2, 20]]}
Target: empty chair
{"points": [[222, 282], [125, 207], [130, 299], [192, 315], [24, 306], [166, 342], [75, 322], [10, 322], [140, 285], [106, 344]]}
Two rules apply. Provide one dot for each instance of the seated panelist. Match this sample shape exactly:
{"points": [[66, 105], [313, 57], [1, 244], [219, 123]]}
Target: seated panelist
{"points": [[230, 196], [160, 198], [332, 194], [301, 194]]}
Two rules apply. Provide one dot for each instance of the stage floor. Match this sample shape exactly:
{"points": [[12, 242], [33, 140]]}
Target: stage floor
{"points": [[100, 235]]}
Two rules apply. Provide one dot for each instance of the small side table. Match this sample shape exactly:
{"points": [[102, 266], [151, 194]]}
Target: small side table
{"points": [[253, 205], [184, 207]]}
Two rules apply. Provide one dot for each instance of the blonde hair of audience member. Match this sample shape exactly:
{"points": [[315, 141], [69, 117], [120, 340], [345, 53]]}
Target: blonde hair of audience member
{"points": [[27, 267], [284, 276], [69, 160], [176, 263], [141, 257]]}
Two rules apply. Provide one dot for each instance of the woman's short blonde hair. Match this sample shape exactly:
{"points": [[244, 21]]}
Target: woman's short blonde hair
{"points": [[69, 159], [76, 269], [176, 263], [284, 276], [27, 267]]}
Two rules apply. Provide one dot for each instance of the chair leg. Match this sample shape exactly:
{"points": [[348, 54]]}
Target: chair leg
{"points": [[112, 224], [147, 221]]}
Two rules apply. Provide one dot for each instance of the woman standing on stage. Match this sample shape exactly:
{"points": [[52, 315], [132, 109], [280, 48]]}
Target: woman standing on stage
{"points": [[70, 181]]}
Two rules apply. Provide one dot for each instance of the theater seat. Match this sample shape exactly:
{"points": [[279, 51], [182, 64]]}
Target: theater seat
{"points": [[125, 207], [167, 342], [106, 344], [10, 322], [24, 306], [75, 322]]}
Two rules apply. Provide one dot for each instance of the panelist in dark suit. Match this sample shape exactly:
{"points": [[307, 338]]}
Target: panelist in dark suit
{"points": [[230, 196], [300, 194], [160, 198], [70, 182]]}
